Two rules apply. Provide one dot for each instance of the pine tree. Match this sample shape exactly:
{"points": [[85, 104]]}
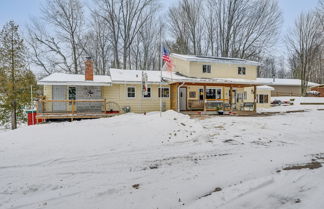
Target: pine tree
{"points": [[15, 78]]}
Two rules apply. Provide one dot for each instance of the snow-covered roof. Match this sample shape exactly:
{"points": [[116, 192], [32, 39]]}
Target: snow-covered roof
{"points": [[283, 82], [74, 80], [176, 77], [210, 59], [265, 88], [134, 76]]}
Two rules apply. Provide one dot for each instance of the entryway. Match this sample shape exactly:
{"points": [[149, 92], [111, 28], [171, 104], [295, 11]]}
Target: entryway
{"points": [[183, 99]]}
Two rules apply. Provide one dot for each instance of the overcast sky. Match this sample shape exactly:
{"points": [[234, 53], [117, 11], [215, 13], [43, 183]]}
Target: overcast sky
{"points": [[21, 10]]}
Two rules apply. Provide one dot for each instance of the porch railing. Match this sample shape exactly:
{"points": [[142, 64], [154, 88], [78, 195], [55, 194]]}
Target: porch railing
{"points": [[217, 104], [71, 106], [195, 104]]}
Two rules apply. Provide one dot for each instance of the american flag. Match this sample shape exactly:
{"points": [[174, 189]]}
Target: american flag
{"points": [[166, 58]]}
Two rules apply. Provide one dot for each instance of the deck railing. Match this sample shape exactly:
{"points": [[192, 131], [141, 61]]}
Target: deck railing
{"points": [[71, 109], [71, 106]]}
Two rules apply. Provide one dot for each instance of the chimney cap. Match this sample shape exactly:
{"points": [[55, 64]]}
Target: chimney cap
{"points": [[88, 58]]}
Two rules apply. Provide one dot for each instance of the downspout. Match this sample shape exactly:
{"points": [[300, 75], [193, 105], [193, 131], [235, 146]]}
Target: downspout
{"points": [[179, 95]]}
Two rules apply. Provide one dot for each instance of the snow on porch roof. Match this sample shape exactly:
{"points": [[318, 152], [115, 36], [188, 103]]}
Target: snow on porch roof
{"points": [[210, 59], [74, 80], [283, 82]]}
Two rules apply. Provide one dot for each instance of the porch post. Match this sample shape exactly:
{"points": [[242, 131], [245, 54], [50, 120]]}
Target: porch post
{"points": [[255, 98], [231, 98], [205, 99]]}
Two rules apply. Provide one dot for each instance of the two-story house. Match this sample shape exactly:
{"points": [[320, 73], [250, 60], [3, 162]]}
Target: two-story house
{"points": [[197, 83]]}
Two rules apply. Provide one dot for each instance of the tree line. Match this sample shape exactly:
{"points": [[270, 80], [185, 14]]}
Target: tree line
{"points": [[127, 34]]}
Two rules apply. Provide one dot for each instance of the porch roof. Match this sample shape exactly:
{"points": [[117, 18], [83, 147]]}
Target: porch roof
{"points": [[74, 80]]}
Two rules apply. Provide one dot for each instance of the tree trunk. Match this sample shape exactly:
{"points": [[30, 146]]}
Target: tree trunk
{"points": [[14, 116]]}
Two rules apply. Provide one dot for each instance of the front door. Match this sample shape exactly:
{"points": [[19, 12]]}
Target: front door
{"points": [[59, 93], [183, 98]]}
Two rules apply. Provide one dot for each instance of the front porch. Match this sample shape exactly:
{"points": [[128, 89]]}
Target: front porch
{"points": [[208, 98]]}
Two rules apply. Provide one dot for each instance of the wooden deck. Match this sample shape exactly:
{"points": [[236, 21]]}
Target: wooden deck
{"points": [[105, 110], [69, 115]]}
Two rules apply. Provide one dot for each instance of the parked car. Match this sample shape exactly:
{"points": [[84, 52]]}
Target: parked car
{"points": [[276, 102]]}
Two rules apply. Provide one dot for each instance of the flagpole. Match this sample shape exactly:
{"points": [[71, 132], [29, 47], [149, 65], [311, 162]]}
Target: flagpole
{"points": [[161, 70]]}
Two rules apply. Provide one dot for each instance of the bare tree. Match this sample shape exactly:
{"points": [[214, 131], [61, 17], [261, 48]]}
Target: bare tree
{"points": [[186, 24], [62, 44], [97, 44], [228, 28], [145, 50], [125, 19], [304, 44], [110, 11], [242, 28]]}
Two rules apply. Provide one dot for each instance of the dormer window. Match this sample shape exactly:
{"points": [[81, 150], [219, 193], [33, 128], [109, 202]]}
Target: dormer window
{"points": [[206, 69], [241, 71]]}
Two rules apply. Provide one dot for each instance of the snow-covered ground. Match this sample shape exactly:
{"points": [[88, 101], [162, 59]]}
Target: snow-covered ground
{"points": [[136, 161]]}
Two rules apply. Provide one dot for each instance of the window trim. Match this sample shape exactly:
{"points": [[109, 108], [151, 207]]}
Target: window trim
{"points": [[207, 71], [216, 88], [134, 92], [242, 70], [159, 92], [263, 95]]}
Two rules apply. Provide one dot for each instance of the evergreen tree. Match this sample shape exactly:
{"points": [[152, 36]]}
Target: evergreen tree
{"points": [[15, 78]]}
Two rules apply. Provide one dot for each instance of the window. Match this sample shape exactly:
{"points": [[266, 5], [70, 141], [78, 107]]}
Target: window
{"points": [[263, 98], [131, 92], [245, 95], [241, 71], [72, 93], [206, 69], [148, 93], [213, 93], [165, 92], [192, 94], [201, 94]]}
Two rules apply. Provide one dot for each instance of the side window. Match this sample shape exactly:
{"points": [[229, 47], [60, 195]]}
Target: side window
{"points": [[72, 93], [241, 70], [131, 92], [206, 69]]}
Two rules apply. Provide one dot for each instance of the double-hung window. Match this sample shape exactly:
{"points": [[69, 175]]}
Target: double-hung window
{"points": [[131, 93], [263, 98], [213, 93], [241, 70], [164, 91], [206, 68], [72, 93]]}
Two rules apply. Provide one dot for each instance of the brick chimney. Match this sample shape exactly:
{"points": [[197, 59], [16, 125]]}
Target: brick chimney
{"points": [[88, 69]]}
